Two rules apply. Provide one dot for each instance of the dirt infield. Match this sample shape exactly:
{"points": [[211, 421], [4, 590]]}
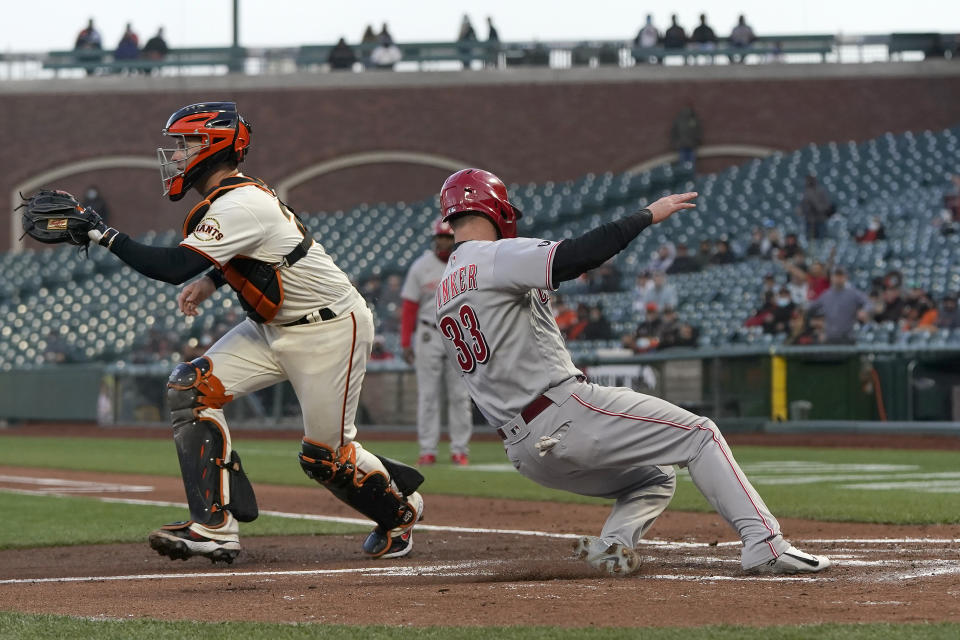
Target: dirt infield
{"points": [[454, 576]]}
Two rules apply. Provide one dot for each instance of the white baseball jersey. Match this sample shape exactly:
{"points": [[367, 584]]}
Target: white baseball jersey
{"points": [[420, 285], [252, 223], [436, 370], [493, 309]]}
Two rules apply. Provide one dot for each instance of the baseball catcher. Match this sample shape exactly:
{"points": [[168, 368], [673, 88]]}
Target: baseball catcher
{"points": [[305, 323]]}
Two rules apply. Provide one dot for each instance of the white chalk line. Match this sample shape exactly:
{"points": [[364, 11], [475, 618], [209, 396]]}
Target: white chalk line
{"points": [[474, 568]]}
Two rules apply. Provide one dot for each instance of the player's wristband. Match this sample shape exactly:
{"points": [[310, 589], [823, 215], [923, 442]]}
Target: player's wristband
{"points": [[106, 240], [217, 277]]}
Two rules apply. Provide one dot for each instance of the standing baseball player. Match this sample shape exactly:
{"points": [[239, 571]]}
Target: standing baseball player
{"points": [[436, 371], [305, 323], [558, 429]]}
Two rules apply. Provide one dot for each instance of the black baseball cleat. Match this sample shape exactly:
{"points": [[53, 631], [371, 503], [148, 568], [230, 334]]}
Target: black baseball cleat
{"points": [[178, 541], [394, 543]]}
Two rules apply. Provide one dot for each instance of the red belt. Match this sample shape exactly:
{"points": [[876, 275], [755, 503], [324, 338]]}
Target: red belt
{"points": [[531, 411]]}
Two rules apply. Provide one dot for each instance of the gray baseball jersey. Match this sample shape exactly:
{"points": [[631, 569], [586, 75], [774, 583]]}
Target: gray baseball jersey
{"points": [[566, 433], [493, 309]]}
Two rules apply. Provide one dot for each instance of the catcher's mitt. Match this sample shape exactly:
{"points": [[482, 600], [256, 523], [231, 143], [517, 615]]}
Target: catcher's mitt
{"points": [[53, 217]]}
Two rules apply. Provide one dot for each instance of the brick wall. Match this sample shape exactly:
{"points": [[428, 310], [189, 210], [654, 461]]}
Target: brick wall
{"points": [[524, 132]]}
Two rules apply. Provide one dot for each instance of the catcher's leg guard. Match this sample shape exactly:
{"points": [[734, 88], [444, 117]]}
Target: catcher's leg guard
{"points": [[213, 477], [393, 504]]}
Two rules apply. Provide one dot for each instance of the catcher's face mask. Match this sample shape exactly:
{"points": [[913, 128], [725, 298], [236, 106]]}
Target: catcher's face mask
{"points": [[175, 162]]}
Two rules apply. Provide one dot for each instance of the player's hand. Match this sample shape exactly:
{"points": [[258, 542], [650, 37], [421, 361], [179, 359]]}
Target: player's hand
{"points": [[195, 293], [408, 355], [669, 205]]}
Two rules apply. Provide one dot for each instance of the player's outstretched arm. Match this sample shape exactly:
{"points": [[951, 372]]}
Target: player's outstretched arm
{"points": [[578, 255]]}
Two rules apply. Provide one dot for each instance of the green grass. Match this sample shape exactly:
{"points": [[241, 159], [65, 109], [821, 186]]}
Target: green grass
{"points": [[274, 462], [29, 522], [37, 627]]}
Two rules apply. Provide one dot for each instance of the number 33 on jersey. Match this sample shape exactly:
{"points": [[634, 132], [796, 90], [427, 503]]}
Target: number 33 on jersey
{"points": [[492, 310]]}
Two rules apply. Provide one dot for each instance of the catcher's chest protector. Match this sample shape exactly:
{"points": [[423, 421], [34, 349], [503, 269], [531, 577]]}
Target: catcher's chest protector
{"points": [[258, 284]]}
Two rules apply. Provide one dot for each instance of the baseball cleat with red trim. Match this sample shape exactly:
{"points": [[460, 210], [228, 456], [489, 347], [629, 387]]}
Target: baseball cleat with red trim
{"points": [[425, 459], [460, 459], [614, 558], [793, 561], [178, 541], [395, 543]]}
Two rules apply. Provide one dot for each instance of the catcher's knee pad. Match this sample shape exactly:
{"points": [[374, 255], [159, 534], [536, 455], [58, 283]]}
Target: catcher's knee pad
{"points": [[370, 492], [192, 387], [213, 476]]}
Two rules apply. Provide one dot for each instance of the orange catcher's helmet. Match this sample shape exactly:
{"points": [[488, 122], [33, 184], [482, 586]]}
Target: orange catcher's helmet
{"points": [[479, 191], [207, 134]]}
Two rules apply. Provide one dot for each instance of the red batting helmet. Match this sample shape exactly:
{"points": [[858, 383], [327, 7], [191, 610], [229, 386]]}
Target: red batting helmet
{"points": [[223, 134], [442, 228], [479, 191]]}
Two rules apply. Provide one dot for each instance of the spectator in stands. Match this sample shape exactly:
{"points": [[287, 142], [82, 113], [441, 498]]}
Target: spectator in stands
{"points": [[791, 247], [371, 289], [662, 293], [874, 231], [56, 350], [93, 199], [604, 279], [741, 37], [683, 262], [467, 33], [89, 38], [773, 244], [799, 287], [564, 315], [842, 305], [598, 327], [817, 280], [675, 333], [662, 259], [129, 46], [757, 241], [805, 330], [951, 199], [686, 134], [768, 290], [646, 337], [156, 47], [641, 289], [704, 253], [893, 305], [89, 46], [647, 38], [778, 320], [703, 36], [675, 37], [949, 316], [386, 53], [723, 255], [369, 36], [920, 315], [341, 56], [946, 223], [583, 319], [893, 278], [815, 207], [492, 34]]}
